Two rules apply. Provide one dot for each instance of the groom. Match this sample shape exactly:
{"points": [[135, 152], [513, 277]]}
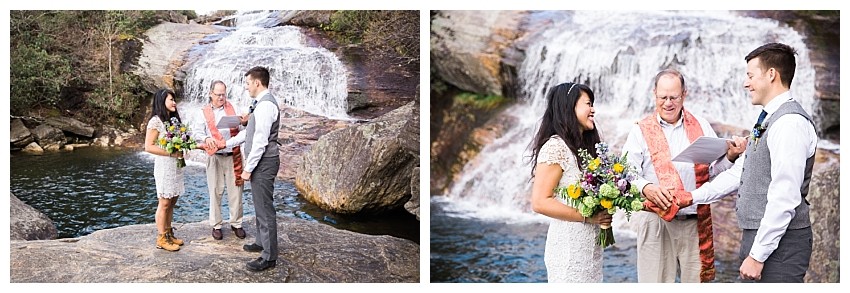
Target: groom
{"points": [[773, 182], [261, 165]]}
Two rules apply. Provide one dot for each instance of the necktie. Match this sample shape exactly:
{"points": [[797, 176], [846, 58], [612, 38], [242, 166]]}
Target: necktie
{"points": [[758, 128], [761, 118], [254, 106]]}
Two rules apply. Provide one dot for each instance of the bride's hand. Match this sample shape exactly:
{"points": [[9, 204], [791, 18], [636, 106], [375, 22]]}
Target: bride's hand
{"points": [[600, 218]]}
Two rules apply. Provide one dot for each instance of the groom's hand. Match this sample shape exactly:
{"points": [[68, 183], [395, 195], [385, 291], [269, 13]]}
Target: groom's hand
{"points": [[246, 175], [751, 269], [735, 148], [662, 198]]}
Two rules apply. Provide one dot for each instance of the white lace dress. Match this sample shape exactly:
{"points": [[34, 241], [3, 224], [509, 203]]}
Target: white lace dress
{"points": [[168, 178], [571, 252]]}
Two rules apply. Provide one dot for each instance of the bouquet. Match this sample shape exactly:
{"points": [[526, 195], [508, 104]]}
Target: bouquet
{"points": [[604, 185], [176, 139]]}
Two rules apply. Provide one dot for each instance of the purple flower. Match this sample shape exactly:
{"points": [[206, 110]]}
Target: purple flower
{"points": [[622, 184]]}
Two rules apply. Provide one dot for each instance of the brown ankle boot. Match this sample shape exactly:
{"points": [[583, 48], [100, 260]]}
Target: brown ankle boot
{"points": [[170, 234], [163, 242]]}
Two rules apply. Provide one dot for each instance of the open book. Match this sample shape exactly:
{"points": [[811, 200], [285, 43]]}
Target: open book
{"points": [[704, 150]]}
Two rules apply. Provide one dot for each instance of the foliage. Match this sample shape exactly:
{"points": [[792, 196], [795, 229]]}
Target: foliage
{"points": [[74, 55], [487, 102], [37, 77], [393, 34]]}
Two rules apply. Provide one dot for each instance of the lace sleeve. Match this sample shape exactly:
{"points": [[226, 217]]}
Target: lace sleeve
{"points": [[555, 151], [155, 123]]}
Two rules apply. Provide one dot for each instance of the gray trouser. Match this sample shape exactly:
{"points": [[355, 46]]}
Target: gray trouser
{"points": [[789, 262], [262, 190]]}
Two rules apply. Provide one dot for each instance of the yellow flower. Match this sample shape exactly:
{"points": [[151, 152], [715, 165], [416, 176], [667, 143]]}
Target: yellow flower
{"points": [[171, 128], [574, 191], [182, 129], [594, 164], [162, 141], [618, 168], [606, 203], [177, 146]]}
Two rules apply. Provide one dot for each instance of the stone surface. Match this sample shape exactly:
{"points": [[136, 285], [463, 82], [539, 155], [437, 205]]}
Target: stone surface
{"points": [[33, 148], [27, 223], [309, 252], [298, 131], [71, 125], [20, 135], [467, 48], [49, 137], [412, 205], [363, 169], [164, 49]]}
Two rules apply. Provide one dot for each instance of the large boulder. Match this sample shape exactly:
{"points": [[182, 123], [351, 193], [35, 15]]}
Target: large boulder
{"points": [[364, 169], [299, 130], [309, 252], [71, 125], [469, 49], [48, 137], [20, 135], [824, 197], [165, 46], [412, 205], [27, 223]]}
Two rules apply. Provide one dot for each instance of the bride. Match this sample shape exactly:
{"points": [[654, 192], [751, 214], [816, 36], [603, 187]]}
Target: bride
{"points": [[571, 253]]}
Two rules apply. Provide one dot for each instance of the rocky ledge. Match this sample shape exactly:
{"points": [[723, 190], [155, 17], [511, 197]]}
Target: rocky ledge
{"points": [[309, 252]]}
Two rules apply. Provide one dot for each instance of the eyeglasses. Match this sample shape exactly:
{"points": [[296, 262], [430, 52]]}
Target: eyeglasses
{"points": [[670, 98], [218, 95]]}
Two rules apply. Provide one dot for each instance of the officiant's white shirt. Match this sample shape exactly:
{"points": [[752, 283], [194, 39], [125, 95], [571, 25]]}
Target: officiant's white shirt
{"points": [[677, 140], [792, 140], [200, 129]]}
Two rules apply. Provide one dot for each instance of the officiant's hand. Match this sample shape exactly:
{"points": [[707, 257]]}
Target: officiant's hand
{"points": [[736, 147], [211, 143], [661, 197], [244, 119]]}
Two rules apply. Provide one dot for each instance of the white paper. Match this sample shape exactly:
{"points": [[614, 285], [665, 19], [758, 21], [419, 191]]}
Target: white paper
{"points": [[704, 150], [228, 122]]}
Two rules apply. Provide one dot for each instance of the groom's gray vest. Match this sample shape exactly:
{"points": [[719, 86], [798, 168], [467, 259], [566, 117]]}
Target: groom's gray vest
{"points": [[272, 149], [755, 178]]}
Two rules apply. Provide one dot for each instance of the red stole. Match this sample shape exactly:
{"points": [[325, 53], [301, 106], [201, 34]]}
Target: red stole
{"points": [[669, 177], [219, 140]]}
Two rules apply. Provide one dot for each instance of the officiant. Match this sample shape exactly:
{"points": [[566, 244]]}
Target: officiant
{"points": [[668, 247], [214, 124]]}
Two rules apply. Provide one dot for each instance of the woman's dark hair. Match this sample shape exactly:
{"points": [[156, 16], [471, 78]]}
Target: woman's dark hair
{"points": [[560, 119], [159, 109]]}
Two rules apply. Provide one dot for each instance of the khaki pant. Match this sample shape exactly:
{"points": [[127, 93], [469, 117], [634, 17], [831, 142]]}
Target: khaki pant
{"points": [[220, 174], [665, 248]]}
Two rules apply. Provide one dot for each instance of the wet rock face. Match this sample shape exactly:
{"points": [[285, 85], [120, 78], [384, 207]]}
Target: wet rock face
{"points": [[364, 169], [164, 49], [20, 135], [468, 48], [27, 223], [309, 252]]}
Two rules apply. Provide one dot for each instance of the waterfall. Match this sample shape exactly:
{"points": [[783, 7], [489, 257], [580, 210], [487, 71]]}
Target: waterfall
{"points": [[306, 78], [618, 54]]}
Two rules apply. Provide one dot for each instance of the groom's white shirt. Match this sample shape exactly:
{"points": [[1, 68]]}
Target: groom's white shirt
{"points": [[265, 115], [792, 140], [677, 141]]}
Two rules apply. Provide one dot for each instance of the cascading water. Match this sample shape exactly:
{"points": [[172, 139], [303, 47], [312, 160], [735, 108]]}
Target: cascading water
{"points": [[307, 78], [618, 54]]}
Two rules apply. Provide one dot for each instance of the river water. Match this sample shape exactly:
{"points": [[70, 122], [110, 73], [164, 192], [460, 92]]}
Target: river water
{"points": [[94, 188]]}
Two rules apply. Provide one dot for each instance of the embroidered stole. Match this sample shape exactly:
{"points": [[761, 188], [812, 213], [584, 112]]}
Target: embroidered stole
{"points": [[237, 155], [668, 176]]}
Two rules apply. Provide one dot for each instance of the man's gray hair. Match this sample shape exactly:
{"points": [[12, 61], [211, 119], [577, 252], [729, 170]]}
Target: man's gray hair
{"points": [[215, 82], [671, 72]]}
